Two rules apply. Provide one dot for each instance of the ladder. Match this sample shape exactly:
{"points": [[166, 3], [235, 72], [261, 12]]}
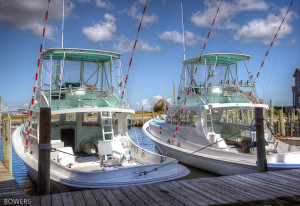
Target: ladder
{"points": [[118, 77], [56, 79], [107, 122]]}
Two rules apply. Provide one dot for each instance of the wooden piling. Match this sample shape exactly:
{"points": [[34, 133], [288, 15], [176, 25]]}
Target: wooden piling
{"points": [[260, 140], [164, 107], [292, 122], [272, 115], [43, 183], [6, 129], [142, 116], [134, 124], [282, 129], [152, 113]]}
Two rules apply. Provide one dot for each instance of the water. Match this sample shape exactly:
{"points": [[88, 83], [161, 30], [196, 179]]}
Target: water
{"points": [[136, 134]]}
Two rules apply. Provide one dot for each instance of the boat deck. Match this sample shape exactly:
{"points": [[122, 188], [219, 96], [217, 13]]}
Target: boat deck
{"points": [[203, 191], [9, 188]]}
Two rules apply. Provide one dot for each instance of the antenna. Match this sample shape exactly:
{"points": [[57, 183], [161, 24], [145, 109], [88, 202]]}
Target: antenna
{"points": [[182, 32], [62, 27]]}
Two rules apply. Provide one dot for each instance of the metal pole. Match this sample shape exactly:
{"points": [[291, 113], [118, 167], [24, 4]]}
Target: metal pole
{"points": [[6, 129], [271, 115], [282, 129], [43, 183], [174, 93], [142, 116], [292, 121], [260, 140]]}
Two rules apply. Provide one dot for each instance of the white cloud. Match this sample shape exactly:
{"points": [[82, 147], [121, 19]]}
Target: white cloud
{"points": [[190, 38], [263, 30], [135, 12], [124, 44], [104, 31], [104, 4], [27, 15], [226, 14]]}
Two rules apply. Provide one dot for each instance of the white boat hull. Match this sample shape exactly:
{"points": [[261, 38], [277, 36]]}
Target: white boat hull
{"points": [[112, 177]]}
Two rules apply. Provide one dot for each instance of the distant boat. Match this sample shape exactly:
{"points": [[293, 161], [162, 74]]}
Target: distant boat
{"points": [[90, 152], [218, 108]]}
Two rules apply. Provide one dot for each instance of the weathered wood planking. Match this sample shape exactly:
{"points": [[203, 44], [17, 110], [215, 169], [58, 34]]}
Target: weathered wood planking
{"points": [[9, 188], [203, 191]]}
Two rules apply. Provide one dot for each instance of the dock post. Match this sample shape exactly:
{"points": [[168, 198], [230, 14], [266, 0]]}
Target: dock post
{"points": [[271, 115], [282, 129], [6, 129], [142, 115], [292, 121], [152, 113], [260, 140], [43, 183], [134, 124], [164, 107]]}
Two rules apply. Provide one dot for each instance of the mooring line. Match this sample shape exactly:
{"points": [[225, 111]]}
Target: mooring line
{"points": [[196, 71], [36, 76]]}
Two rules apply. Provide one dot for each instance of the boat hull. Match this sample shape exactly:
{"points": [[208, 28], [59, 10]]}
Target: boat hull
{"points": [[111, 177], [212, 160]]}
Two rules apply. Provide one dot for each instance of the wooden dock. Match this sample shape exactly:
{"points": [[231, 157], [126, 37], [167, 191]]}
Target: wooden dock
{"points": [[9, 188], [203, 191]]}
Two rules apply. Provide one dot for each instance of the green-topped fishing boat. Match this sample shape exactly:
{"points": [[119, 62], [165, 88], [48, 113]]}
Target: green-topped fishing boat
{"points": [[89, 139], [217, 117]]}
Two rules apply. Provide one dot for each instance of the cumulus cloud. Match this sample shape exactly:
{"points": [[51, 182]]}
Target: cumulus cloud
{"points": [[190, 38], [149, 103], [124, 44], [104, 4], [263, 30], [27, 15], [227, 12], [135, 12], [104, 31]]}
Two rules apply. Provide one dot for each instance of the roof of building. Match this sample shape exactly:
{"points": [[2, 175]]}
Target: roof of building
{"points": [[297, 70]]}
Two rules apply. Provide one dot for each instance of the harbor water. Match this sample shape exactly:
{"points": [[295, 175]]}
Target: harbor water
{"points": [[136, 134]]}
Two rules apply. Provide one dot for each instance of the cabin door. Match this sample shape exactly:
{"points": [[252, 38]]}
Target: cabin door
{"points": [[68, 137]]}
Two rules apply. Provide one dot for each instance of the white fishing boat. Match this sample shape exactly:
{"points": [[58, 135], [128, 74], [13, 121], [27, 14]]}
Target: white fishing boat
{"points": [[89, 136], [214, 133]]}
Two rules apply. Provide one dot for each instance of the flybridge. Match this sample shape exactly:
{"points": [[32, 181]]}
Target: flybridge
{"points": [[71, 78], [219, 79]]}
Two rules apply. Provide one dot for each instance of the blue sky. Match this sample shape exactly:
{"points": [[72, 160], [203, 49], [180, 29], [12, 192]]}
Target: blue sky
{"points": [[242, 26]]}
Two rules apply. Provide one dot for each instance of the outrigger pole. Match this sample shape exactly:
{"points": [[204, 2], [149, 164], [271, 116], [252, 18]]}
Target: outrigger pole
{"points": [[133, 50], [196, 70], [36, 76], [262, 64]]}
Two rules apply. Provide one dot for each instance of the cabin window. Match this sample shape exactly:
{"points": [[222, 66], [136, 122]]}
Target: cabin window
{"points": [[55, 118], [71, 117]]}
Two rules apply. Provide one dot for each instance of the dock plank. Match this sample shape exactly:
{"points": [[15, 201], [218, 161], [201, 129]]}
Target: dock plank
{"points": [[111, 198], [151, 193], [46, 200], [132, 197], [100, 198], [89, 198], [147, 199], [78, 198], [56, 199], [121, 197], [67, 199]]}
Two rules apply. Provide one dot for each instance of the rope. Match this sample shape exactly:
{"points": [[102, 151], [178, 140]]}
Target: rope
{"points": [[133, 50], [36, 76], [196, 71]]}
